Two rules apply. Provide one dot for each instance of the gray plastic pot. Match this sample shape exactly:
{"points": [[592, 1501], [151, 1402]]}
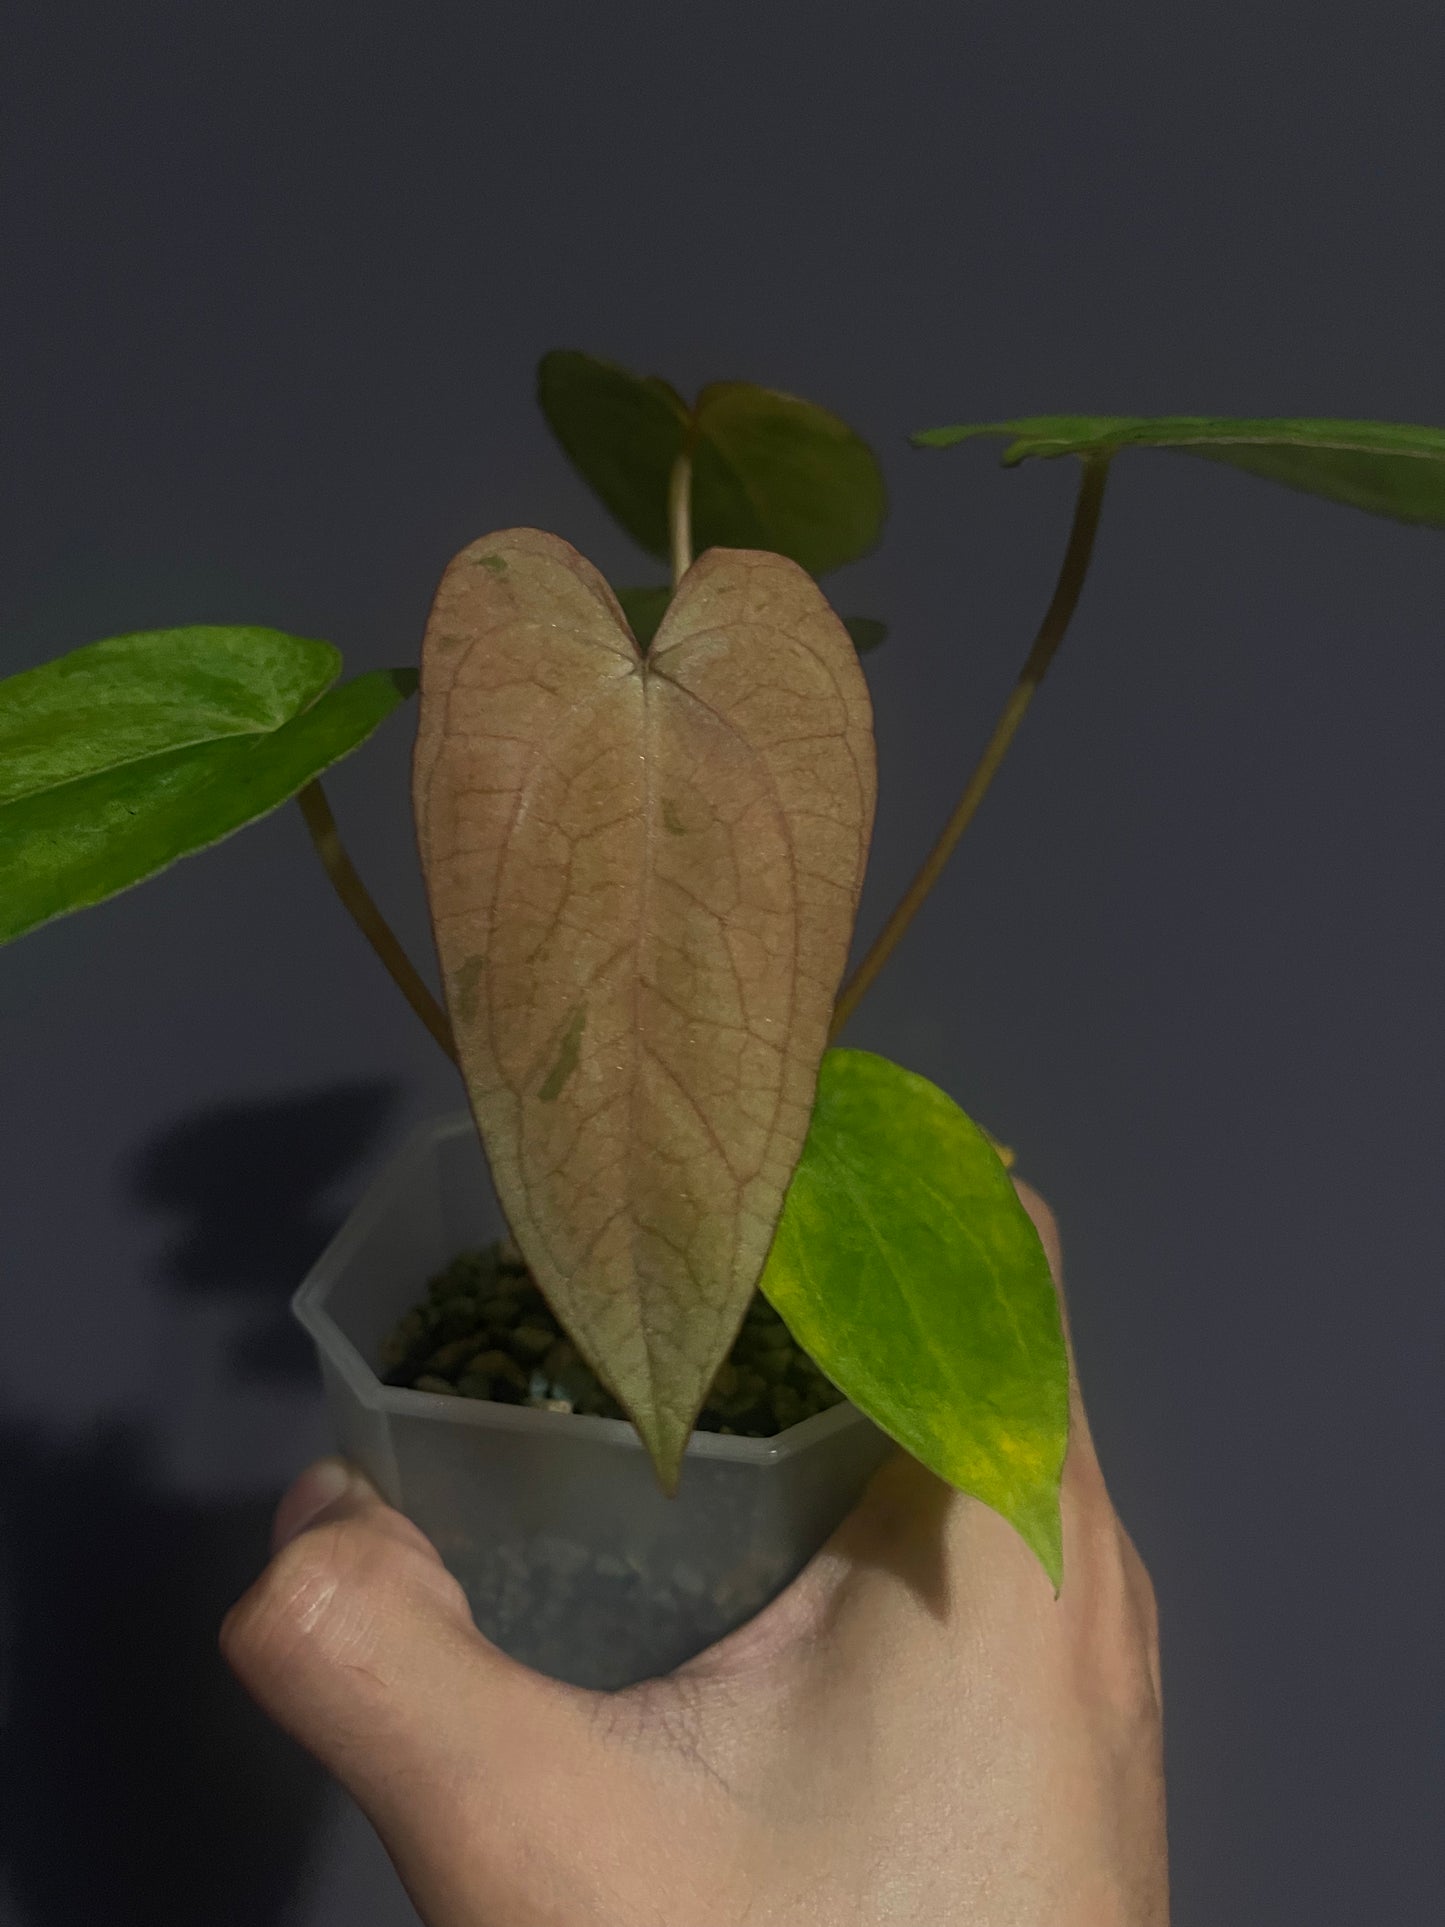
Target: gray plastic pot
{"points": [[570, 1556]]}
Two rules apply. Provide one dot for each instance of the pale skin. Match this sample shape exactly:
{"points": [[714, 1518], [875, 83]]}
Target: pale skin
{"points": [[916, 1731]]}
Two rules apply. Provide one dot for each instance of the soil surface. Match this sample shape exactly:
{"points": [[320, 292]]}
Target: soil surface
{"points": [[484, 1330]]}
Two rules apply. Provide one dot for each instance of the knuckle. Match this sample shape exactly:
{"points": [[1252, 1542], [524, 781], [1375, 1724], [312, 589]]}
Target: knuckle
{"points": [[1135, 1641], [1140, 1583], [1147, 1597], [1116, 1625], [1045, 1223], [1146, 1603], [306, 1602]]}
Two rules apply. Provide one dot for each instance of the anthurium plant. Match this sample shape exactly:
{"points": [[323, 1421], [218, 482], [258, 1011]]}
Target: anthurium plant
{"points": [[643, 816]]}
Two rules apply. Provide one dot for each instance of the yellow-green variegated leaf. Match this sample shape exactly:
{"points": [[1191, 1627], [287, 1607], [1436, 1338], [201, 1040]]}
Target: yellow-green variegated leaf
{"points": [[906, 1266]]}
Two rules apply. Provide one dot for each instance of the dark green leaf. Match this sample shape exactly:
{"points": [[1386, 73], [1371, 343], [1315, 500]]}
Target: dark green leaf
{"points": [[773, 472], [769, 471], [907, 1267], [1388, 468], [621, 431], [644, 609], [867, 631], [126, 754]]}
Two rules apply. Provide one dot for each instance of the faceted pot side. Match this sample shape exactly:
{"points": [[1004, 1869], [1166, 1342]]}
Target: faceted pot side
{"points": [[571, 1558]]}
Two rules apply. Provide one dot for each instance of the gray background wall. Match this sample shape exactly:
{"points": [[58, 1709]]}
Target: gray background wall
{"points": [[275, 280]]}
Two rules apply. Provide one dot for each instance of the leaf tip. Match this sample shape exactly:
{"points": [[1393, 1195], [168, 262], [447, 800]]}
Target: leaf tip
{"points": [[666, 1453], [954, 432], [1039, 1523]]}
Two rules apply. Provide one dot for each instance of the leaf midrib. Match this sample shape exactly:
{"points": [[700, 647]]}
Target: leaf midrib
{"points": [[1280, 436], [853, 1193], [237, 738], [982, 1449]]}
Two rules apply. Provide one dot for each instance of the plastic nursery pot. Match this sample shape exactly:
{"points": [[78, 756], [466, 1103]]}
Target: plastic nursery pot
{"points": [[570, 1556]]}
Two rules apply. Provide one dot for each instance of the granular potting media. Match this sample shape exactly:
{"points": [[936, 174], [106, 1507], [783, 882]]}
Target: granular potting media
{"points": [[485, 1331]]}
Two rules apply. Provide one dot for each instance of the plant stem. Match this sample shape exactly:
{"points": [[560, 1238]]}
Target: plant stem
{"points": [[679, 513], [1072, 572], [373, 926]]}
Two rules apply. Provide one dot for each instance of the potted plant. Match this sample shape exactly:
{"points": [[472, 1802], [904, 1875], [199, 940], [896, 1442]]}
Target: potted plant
{"points": [[627, 1336]]}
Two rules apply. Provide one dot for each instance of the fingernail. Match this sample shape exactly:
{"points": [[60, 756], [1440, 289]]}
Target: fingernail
{"points": [[318, 1487]]}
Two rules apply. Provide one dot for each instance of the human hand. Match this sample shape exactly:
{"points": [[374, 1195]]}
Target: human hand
{"points": [[915, 1731]]}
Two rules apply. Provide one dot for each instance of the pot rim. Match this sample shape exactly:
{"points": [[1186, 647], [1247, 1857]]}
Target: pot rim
{"points": [[309, 1308]]}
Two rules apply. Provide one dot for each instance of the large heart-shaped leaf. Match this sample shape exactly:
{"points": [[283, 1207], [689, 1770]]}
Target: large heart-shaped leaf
{"points": [[126, 754], [770, 471], [1388, 468], [906, 1266], [643, 873]]}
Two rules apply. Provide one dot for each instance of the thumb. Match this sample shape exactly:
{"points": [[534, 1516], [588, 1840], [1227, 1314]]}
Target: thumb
{"points": [[358, 1642]]}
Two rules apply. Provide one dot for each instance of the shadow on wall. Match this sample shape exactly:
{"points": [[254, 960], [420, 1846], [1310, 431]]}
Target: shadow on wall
{"points": [[138, 1785], [250, 1187]]}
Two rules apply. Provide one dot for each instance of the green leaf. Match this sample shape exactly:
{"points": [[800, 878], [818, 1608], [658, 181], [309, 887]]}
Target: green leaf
{"points": [[644, 610], [622, 432], [126, 754], [1387, 468], [773, 472], [906, 1265], [867, 631], [770, 471]]}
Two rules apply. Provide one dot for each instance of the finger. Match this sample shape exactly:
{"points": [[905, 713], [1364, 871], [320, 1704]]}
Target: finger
{"points": [[1084, 1487], [1095, 1537], [1047, 1227], [358, 1642]]}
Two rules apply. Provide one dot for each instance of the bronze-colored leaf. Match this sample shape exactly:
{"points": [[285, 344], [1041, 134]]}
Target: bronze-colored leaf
{"points": [[643, 874]]}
